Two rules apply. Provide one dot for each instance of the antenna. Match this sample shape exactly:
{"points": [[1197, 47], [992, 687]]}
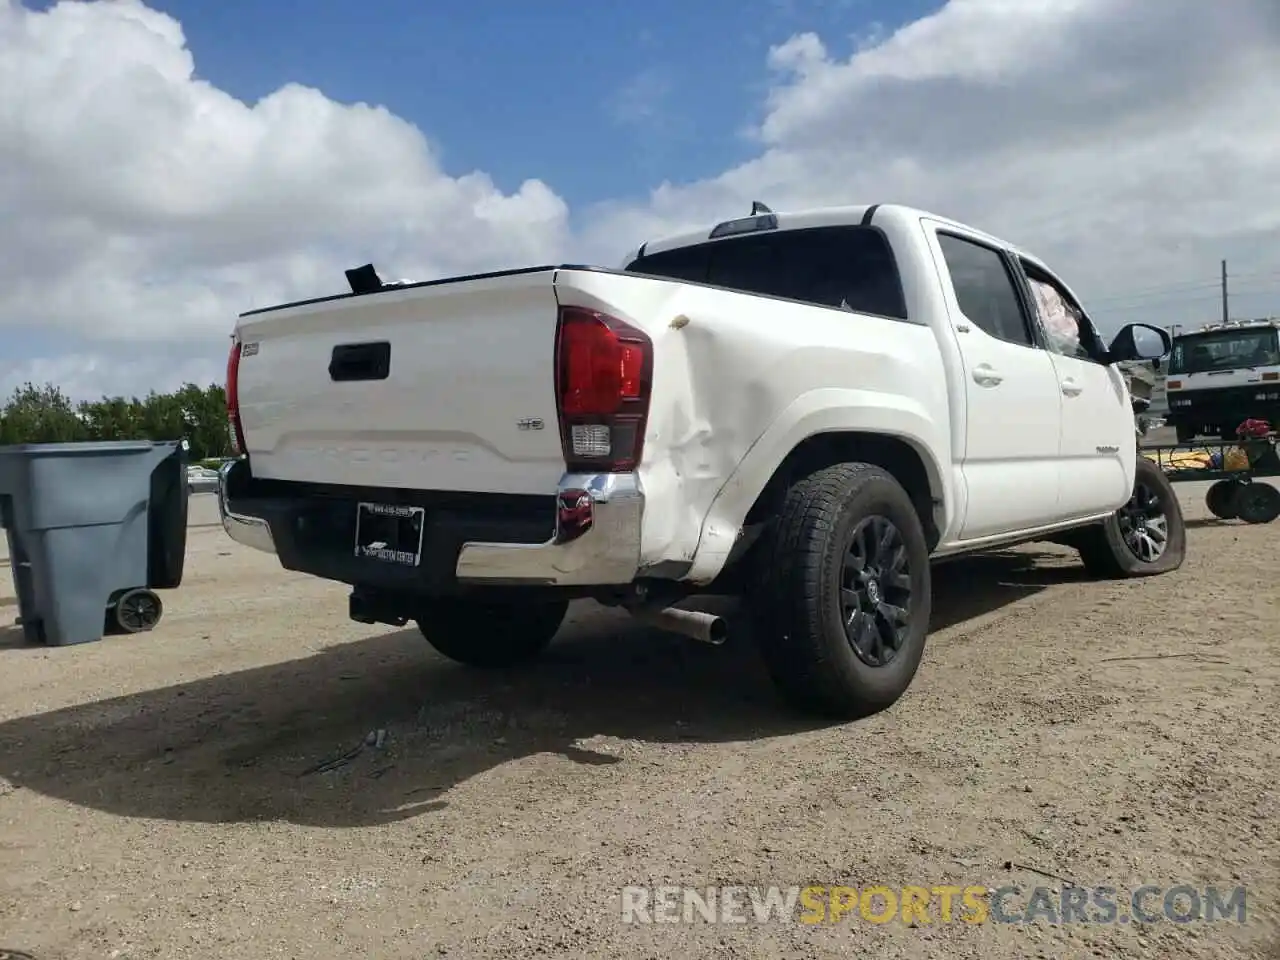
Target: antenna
{"points": [[758, 208]]}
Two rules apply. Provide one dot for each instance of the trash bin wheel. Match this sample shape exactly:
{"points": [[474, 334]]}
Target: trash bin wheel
{"points": [[137, 611]]}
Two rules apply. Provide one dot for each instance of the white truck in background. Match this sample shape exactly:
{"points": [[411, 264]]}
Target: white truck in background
{"points": [[803, 409], [1222, 375]]}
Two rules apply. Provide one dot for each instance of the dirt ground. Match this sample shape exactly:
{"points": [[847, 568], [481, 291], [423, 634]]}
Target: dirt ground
{"points": [[160, 797]]}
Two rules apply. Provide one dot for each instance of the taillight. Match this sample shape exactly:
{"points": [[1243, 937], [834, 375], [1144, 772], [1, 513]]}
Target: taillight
{"points": [[1173, 385], [604, 370], [233, 399]]}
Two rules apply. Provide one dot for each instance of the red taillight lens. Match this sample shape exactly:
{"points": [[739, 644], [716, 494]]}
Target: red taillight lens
{"points": [[604, 370], [233, 399], [601, 370]]}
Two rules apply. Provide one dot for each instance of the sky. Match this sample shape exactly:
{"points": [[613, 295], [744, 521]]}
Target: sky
{"points": [[167, 166]]}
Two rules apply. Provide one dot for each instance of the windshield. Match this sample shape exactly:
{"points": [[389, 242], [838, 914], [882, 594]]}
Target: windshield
{"points": [[1225, 350], [851, 268]]}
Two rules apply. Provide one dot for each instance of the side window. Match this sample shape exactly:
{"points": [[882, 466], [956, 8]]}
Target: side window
{"points": [[847, 268], [1067, 330], [985, 289]]}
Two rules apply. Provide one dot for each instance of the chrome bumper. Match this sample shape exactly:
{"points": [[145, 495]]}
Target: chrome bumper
{"points": [[597, 539], [250, 531]]}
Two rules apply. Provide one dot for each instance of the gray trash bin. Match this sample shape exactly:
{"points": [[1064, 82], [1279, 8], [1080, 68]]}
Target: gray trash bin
{"points": [[93, 530]]}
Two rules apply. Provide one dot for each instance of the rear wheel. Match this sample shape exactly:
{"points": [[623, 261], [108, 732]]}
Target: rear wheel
{"points": [[491, 635], [842, 592], [1146, 536], [1185, 432]]}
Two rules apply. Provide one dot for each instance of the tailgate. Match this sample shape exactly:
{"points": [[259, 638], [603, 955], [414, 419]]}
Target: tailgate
{"points": [[445, 386]]}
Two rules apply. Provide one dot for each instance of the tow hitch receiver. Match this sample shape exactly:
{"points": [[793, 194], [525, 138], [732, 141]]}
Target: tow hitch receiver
{"points": [[367, 606]]}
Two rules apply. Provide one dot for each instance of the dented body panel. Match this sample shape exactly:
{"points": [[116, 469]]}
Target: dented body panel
{"points": [[740, 380], [468, 405]]}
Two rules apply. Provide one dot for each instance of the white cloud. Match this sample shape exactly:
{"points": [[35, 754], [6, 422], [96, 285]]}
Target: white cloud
{"points": [[1129, 142], [141, 201], [88, 376]]}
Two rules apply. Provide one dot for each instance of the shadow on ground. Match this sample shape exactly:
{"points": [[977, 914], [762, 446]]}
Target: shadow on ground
{"points": [[11, 638], [245, 746], [1200, 523]]}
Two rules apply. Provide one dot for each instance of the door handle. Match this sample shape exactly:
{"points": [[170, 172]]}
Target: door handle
{"points": [[1071, 388], [985, 375], [360, 361]]}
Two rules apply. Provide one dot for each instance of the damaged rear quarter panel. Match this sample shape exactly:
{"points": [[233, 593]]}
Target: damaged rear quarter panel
{"points": [[732, 370]]}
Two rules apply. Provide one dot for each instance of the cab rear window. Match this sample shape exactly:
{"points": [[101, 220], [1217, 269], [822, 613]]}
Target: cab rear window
{"points": [[849, 268]]}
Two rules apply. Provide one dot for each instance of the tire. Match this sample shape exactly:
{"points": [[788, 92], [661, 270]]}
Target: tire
{"points": [[1257, 502], [1105, 548], [137, 611], [1221, 498], [1185, 432], [799, 600], [491, 636]]}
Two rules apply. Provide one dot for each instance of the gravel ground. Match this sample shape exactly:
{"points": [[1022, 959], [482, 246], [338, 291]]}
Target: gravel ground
{"points": [[160, 797]]}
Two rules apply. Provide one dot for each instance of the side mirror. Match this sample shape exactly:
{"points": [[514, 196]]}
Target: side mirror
{"points": [[1139, 341]]}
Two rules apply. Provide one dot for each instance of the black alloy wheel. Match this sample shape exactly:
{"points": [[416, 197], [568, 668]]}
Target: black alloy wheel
{"points": [[875, 591]]}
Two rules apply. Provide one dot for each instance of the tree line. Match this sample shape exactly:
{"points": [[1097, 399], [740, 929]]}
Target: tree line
{"points": [[45, 414]]}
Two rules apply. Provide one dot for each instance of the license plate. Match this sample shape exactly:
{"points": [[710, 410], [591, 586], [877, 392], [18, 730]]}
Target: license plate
{"points": [[390, 533]]}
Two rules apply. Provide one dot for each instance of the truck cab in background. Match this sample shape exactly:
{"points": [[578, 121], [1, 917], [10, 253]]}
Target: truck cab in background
{"points": [[1222, 375]]}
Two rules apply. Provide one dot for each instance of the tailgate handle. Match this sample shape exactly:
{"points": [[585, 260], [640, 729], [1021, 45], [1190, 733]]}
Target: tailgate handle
{"points": [[360, 361]]}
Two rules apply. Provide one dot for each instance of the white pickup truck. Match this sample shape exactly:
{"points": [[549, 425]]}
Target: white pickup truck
{"points": [[805, 409]]}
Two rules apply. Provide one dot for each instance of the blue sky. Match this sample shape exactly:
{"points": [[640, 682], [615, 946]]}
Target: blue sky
{"points": [[602, 101]]}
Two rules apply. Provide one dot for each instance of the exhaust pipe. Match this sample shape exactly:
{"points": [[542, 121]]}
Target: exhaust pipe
{"points": [[695, 624]]}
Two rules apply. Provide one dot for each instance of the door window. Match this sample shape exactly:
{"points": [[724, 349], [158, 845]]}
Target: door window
{"points": [[1068, 331], [985, 289]]}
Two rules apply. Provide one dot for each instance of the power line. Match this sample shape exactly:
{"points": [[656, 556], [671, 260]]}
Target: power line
{"points": [[1175, 289], [1208, 292], [1205, 296]]}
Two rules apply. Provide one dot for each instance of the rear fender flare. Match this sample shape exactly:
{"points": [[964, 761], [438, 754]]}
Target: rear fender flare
{"points": [[828, 410]]}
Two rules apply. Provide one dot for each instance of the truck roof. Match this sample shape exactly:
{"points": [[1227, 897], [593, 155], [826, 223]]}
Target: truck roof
{"points": [[1261, 323], [873, 214]]}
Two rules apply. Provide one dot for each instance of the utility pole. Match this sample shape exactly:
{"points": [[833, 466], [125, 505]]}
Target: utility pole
{"points": [[1225, 315]]}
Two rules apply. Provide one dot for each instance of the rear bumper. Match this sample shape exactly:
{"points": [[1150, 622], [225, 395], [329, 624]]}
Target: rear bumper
{"points": [[1225, 407], [594, 540], [243, 528], [597, 539]]}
